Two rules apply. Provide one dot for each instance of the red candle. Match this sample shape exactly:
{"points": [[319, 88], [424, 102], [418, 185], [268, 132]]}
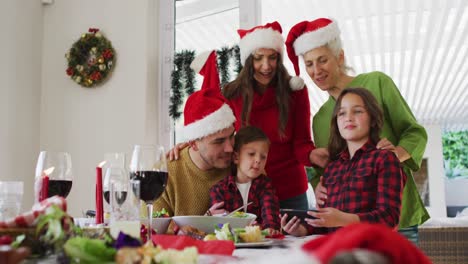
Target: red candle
{"points": [[99, 201], [44, 193]]}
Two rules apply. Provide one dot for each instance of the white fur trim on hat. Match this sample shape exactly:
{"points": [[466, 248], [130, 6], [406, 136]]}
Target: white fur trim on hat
{"points": [[260, 38], [316, 38], [296, 83], [210, 124], [200, 60]]}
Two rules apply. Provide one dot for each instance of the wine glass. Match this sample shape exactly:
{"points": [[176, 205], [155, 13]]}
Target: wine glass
{"points": [[54, 174], [114, 170], [115, 180], [149, 166]]}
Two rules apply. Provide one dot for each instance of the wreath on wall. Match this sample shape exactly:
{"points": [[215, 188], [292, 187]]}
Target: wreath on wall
{"points": [[183, 77], [90, 59]]}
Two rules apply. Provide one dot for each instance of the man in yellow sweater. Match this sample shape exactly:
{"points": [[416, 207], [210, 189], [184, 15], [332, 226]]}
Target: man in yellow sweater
{"points": [[209, 129]]}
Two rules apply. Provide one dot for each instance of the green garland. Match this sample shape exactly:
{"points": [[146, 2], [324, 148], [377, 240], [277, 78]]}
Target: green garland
{"points": [[90, 59], [183, 77]]}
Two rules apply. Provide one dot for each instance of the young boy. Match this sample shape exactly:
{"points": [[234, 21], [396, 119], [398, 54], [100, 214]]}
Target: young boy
{"points": [[248, 183]]}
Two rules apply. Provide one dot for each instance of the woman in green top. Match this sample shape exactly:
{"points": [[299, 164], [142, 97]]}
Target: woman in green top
{"points": [[320, 45]]}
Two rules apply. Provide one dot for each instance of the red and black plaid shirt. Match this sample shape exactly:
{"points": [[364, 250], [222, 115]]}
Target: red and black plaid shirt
{"points": [[369, 185], [265, 202]]}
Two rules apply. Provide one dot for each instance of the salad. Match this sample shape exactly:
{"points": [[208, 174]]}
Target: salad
{"points": [[247, 234], [162, 213]]}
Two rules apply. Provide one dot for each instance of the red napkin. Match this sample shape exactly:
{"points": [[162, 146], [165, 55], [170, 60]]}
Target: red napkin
{"points": [[99, 202], [215, 247], [27, 219], [373, 237], [276, 236]]}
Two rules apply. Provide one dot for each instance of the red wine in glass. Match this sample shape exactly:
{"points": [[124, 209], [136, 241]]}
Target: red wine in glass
{"points": [[152, 184], [120, 197], [59, 187]]}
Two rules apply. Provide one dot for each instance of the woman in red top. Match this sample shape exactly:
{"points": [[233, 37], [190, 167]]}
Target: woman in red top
{"points": [[264, 95], [365, 184]]}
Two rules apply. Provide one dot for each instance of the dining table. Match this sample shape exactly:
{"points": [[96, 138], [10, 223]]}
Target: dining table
{"points": [[278, 251]]}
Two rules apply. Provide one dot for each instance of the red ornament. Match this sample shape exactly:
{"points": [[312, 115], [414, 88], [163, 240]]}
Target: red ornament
{"points": [[93, 30], [96, 76], [107, 54], [70, 71]]}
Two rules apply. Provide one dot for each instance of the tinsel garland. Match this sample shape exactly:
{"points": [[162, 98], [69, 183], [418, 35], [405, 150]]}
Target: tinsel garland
{"points": [[183, 77]]}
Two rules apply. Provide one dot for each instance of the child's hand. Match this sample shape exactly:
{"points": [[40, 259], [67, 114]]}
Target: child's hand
{"points": [[293, 227], [331, 217], [216, 208], [273, 232]]}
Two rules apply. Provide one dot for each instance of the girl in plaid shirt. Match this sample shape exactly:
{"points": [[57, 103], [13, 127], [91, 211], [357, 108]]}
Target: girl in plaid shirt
{"points": [[365, 184], [248, 183]]}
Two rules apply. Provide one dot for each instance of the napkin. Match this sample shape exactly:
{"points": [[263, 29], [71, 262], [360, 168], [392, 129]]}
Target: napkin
{"points": [[374, 237], [216, 247], [27, 219]]}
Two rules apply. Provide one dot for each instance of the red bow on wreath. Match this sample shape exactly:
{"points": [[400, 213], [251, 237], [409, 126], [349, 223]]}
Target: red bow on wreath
{"points": [[93, 30]]}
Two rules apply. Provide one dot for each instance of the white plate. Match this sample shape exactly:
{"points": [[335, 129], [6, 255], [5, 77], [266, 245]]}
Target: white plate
{"points": [[264, 243]]}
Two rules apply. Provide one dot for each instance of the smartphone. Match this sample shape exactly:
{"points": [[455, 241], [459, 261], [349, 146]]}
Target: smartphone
{"points": [[301, 214]]}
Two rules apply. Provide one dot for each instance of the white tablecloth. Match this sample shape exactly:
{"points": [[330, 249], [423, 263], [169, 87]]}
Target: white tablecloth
{"points": [[287, 250]]}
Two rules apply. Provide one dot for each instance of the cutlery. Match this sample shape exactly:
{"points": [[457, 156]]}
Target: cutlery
{"points": [[238, 209]]}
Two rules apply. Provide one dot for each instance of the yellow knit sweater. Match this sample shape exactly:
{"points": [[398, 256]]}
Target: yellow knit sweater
{"points": [[188, 188]]}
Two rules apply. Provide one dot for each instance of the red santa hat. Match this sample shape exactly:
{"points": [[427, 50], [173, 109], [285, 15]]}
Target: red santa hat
{"points": [[206, 111], [264, 36], [373, 237], [308, 35]]}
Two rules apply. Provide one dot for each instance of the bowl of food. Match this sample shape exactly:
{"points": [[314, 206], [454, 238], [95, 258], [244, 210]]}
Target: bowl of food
{"points": [[160, 221], [207, 224], [238, 219]]}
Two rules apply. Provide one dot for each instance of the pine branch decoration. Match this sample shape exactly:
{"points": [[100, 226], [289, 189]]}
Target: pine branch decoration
{"points": [[183, 77]]}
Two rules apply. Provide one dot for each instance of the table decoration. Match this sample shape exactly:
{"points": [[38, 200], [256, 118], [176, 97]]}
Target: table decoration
{"points": [[90, 59], [99, 194]]}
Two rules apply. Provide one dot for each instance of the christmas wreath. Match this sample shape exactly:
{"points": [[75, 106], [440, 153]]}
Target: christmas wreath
{"points": [[90, 59]]}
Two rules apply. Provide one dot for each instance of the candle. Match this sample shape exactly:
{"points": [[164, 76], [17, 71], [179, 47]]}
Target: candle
{"points": [[44, 190], [99, 202]]}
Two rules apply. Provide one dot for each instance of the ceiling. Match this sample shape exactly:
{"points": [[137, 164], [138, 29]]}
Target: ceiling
{"points": [[421, 44]]}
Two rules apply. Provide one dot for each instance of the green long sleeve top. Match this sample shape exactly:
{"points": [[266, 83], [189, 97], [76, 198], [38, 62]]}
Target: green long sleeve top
{"points": [[400, 127]]}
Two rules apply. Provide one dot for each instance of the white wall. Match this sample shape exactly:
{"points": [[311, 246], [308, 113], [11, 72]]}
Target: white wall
{"points": [[20, 72], [435, 166], [87, 122]]}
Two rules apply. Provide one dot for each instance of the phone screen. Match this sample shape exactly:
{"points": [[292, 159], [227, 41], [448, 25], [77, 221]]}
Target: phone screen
{"points": [[301, 214]]}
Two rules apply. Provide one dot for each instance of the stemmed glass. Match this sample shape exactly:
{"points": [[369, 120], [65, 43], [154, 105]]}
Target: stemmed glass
{"points": [[149, 166], [56, 169], [116, 181], [116, 174]]}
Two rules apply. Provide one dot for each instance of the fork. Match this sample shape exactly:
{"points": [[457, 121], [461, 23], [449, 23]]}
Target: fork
{"points": [[238, 209]]}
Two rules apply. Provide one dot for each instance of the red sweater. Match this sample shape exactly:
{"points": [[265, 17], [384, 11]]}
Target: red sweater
{"points": [[288, 155]]}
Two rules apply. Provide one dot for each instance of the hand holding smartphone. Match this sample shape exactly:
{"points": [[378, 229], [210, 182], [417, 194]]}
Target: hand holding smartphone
{"points": [[301, 214]]}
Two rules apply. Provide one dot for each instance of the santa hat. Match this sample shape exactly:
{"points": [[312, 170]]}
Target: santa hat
{"points": [[267, 36], [308, 35], [206, 111], [373, 237]]}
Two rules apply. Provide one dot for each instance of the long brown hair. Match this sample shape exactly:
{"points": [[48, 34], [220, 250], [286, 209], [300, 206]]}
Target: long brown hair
{"points": [[245, 85], [337, 143]]}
